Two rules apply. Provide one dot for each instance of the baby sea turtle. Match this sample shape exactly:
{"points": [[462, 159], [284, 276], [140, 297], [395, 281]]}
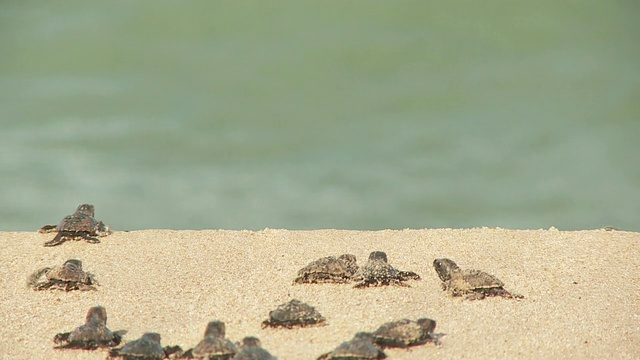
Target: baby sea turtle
{"points": [[328, 270], [377, 271], [92, 335], [79, 225], [251, 349], [214, 346], [67, 277], [473, 284], [404, 333], [361, 347], [146, 348], [294, 313]]}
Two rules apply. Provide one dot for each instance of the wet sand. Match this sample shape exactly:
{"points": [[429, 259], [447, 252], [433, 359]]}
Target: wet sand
{"points": [[581, 288]]}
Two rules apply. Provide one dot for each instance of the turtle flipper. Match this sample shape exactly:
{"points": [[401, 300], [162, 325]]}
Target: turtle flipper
{"points": [[408, 275], [61, 338], [173, 352], [34, 278], [59, 239], [475, 295], [43, 286], [90, 345], [436, 338], [185, 355], [502, 292], [400, 283], [85, 287], [362, 285], [299, 280], [47, 229], [89, 239]]}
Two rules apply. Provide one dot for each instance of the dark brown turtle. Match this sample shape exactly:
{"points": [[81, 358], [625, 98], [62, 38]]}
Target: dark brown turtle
{"points": [[67, 277], [378, 272], [328, 270], [92, 335], [404, 333], [251, 349], [361, 347], [214, 346], [473, 284], [292, 314], [79, 225], [148, 347]]}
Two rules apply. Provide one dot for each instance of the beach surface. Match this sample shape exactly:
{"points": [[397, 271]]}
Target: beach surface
{"points": [[581, 290]]}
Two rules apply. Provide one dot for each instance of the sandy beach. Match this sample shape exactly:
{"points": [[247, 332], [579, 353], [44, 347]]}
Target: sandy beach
{"points": [[581, 288]]}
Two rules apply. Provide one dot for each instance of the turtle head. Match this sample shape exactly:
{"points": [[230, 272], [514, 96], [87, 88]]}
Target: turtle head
{"points": [[378, 255], [444, 268], [250, 341], [363, 336], [427, 325], [86, 209], [215, 329], [151, 336], [71, 271], [73, 265], [97, 314], [350, 262]]}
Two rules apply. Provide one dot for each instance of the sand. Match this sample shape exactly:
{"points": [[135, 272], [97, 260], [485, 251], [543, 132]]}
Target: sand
{"points": [[581, 288]]}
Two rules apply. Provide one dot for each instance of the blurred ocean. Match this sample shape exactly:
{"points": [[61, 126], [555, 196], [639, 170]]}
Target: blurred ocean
{"points": [[326, 114]]}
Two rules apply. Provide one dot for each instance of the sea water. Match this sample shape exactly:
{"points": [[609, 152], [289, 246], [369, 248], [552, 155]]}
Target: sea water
{"points": [[326, 114]]}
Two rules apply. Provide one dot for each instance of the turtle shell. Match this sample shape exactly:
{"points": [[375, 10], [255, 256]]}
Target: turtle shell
{"points": [[251, 349], [475, 284], [377, 271], [147, 347], [215, 348], [405, 333], [360, 347], [214, 345], [81, 223], [476, 279], [69, 276], [329, 269], [82, 220], [294, 313], [92, 335]]}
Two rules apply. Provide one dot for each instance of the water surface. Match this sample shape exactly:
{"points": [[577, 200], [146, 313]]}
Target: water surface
{"points": [[356, 115]]}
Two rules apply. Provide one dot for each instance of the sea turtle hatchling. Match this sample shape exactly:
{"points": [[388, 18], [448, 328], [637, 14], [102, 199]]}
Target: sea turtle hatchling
{"points": [[405, 333], [361, 347], [292, 314], [214, 346], [328, 270], [251, 349], [79, 225], [473, 284], [67, 277], [92, 335], [148, 347], [377, 272]]}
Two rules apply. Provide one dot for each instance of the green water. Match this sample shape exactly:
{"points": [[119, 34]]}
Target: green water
{"points": [[325, 114]]}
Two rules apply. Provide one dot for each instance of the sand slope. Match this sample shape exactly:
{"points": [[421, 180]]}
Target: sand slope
{"points": [[582, 290]]}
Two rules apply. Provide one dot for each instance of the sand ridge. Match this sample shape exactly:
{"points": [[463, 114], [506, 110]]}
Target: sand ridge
{"points": [[581, 288]]}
